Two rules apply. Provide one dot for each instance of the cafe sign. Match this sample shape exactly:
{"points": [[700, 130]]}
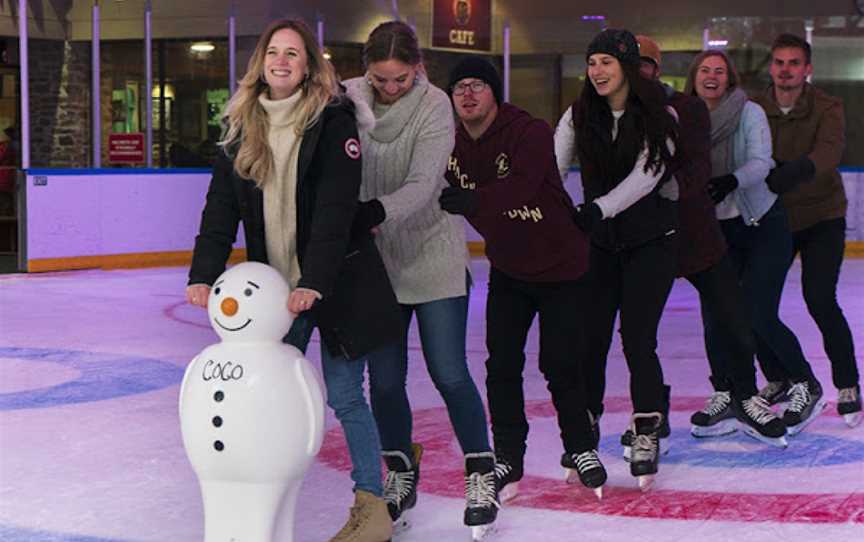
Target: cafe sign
{"points": [[462, 24]]}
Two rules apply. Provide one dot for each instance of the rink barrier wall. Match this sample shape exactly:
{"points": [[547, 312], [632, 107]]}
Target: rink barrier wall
{"points": [[129, 218]]}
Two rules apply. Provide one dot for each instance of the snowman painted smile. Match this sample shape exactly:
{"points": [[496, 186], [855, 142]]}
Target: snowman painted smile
{"points": [[218, 323]]}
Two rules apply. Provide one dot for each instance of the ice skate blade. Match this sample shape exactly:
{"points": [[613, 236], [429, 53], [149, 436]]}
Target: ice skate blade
{"points": [[598, 492], [779, 442], [664, 449], [792, 430], [571, 476], [646, 481], [481, 532], [508, 492], [719, 429], [852, 419], [402, 524]]}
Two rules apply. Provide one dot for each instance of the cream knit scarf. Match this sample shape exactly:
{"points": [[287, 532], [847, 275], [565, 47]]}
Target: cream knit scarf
{"points": [[280, 191]]}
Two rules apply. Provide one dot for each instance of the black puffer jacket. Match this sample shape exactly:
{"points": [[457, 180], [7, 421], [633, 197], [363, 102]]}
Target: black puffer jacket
{"points": [[359, 311]]}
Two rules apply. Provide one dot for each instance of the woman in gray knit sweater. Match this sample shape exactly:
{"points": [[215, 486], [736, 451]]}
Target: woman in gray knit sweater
{"points": [[405, 155]]}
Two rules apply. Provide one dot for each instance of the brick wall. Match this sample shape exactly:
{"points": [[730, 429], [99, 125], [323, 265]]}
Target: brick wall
{"points": [[59, 103]]}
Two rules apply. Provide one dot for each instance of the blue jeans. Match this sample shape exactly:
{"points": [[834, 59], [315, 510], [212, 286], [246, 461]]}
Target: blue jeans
{"points": [[344, 381], [761, 255], [442, 326]]}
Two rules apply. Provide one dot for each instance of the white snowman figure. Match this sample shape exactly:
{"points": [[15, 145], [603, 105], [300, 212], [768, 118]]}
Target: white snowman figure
{"points": [[251, 410]]}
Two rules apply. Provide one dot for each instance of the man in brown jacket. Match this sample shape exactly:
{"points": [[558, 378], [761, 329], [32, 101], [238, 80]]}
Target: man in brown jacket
{"points": [[808, 139]]}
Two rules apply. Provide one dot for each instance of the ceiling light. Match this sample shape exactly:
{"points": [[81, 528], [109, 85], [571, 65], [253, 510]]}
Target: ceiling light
{"points": [[202, 47]]}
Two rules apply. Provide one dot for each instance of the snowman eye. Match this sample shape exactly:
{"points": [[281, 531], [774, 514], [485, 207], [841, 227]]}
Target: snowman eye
{"points": [[247, 292], [217, 291]]}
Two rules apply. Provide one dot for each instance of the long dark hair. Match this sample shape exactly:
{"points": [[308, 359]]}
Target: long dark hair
{"points": [[646, 122]]}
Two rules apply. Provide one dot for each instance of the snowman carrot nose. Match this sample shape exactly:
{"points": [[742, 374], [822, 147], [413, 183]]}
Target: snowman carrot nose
{"points": [[229, 306]]}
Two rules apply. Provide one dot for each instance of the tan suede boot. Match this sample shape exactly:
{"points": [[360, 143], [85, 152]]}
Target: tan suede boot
{"points": [[369, 520]]}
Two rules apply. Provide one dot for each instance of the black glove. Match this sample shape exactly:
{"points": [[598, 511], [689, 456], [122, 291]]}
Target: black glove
{"points": [[458, 201], [787, 175], [587, 217], [369, 214], [722, 186]]}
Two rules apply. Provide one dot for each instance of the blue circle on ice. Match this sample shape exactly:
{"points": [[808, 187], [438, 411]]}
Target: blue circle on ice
{"points": [[806, 449], [102, 376], [19, 534]]}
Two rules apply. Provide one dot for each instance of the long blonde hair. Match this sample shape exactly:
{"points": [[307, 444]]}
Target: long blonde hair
{"points": [[247, 120]]}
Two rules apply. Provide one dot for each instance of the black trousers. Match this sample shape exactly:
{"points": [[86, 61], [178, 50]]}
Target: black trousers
{"points": [[722, 303], [637, 282], [510, 310], [821, 247]]}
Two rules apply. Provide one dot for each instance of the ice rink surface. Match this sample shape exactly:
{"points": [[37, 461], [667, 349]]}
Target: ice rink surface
{"points": [[90, 447]]}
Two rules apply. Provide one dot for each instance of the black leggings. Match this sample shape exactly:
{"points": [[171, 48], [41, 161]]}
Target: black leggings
{"points": [[637, 282]]}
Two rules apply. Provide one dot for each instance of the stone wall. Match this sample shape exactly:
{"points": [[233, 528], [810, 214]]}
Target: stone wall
{"points": [[59, 103]]}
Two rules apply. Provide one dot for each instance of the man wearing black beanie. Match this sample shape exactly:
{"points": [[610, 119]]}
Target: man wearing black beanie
{"points": [[504, 179]]}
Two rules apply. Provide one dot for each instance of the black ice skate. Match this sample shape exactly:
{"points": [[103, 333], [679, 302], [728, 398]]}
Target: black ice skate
{"points": [[849, 405], [756, 419], [665, 430], [400, 484], [716, 418], [645, 453], [805, 403], [775, 392], [508, 472], [586, 468], [481, 494]]}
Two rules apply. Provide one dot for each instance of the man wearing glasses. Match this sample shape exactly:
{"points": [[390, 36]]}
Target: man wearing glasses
{"points": [[504, 179]]}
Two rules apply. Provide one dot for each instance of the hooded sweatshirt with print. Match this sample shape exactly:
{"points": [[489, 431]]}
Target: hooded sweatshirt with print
{"points": [[524, 213]]}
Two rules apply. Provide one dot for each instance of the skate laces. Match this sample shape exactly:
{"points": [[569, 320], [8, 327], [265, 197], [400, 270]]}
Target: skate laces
{"points": [[799, 397], [717, 403], [502, 469], [644, 448], [397, 486], [587, 461], [847, 395], [480, 489], [758, 409]]}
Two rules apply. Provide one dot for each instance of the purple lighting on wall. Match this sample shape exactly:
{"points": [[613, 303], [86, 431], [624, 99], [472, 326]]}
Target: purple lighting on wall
{"points": [[593, 17]]}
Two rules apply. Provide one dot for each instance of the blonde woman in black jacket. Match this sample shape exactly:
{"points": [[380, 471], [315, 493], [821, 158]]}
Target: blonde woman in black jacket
{"points": [[290, 171]]}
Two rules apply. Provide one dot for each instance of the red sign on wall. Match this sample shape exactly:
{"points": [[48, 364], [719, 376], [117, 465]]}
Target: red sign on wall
{"points": [[462, 24], [126, 148]]}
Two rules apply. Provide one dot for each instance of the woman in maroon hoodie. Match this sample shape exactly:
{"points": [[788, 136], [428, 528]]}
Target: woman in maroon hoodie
{"points": [[625, 139]]}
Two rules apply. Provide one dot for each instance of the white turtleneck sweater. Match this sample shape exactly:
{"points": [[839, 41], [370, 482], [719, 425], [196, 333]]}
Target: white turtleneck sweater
{"points": [[280, 191]]}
